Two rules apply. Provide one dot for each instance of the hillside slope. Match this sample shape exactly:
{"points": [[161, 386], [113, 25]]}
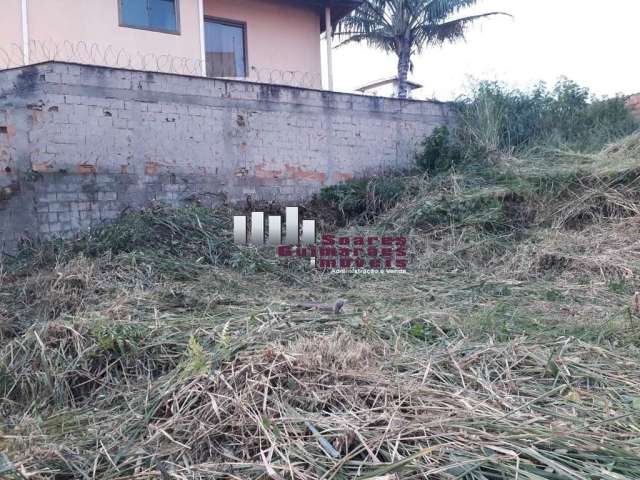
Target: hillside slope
{"points": [[157, 349]]}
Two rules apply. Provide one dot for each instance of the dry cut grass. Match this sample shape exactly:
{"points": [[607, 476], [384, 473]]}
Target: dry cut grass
{"points": [[333, 406], [157, 349]]}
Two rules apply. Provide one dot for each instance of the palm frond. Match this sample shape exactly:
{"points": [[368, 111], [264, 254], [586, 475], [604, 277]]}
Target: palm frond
{"points": [[405, 27], [450, 31], [390, 24]]}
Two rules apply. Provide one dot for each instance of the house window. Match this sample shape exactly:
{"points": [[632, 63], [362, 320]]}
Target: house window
{"points": [[226, 52], [160, 15]]}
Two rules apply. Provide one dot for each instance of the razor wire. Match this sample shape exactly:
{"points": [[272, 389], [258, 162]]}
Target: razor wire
{"points": [[88, 53]]}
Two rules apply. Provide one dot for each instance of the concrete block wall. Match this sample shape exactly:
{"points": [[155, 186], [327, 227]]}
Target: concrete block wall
{"points": [[79, 144]]}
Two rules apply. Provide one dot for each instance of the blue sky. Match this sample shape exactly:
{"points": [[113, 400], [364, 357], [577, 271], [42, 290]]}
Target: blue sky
{"points": [[593, 42]]}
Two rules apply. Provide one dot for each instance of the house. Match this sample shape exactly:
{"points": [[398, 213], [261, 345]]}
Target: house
{"points": [[274, 41], [386, 87]]}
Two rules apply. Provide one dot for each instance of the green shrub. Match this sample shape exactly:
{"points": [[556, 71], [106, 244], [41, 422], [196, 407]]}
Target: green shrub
{"points": [[494, 118], [483, 211], [119, 339], [363, 199], [439, 153]]}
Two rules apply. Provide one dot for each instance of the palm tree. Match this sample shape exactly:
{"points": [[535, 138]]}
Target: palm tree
{"points": [[405, 27]]}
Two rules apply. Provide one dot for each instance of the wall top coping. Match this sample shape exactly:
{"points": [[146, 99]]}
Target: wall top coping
{"points": [[147, 75]]}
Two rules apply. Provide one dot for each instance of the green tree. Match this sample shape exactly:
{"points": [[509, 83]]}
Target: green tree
{"points": [[405, 27]]}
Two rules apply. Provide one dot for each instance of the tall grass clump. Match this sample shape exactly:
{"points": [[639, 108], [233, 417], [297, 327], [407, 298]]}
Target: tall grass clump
{"points": [[363, 199], [494, 119]]}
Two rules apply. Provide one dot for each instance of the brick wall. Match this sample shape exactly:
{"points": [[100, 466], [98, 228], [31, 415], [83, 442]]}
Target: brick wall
{"points": [[78, 144]]}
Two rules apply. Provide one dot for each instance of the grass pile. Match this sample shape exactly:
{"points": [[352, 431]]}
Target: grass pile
{"points": [[331, 406], [155, 348]]}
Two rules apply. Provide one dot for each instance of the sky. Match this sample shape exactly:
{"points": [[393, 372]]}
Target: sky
{"points": [[594, 42]]}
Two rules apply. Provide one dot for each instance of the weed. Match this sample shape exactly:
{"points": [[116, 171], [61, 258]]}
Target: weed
{"points": [[197, 360], [552, 295], [496, 119], [362, 200], [620, 287], [439, 152], [119, 339]]}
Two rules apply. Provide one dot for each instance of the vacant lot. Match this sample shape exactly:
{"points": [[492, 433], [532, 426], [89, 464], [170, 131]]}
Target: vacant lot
{"points": [[157, 349]]}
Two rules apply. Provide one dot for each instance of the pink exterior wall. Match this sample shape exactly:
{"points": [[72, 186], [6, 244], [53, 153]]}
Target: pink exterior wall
{"points": [[10, 34], [93, 35], [281, 38], [283, 41]]}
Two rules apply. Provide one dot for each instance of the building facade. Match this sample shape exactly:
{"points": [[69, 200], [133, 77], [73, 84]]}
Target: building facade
{"points": [[272, 41], [387, 87]]}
